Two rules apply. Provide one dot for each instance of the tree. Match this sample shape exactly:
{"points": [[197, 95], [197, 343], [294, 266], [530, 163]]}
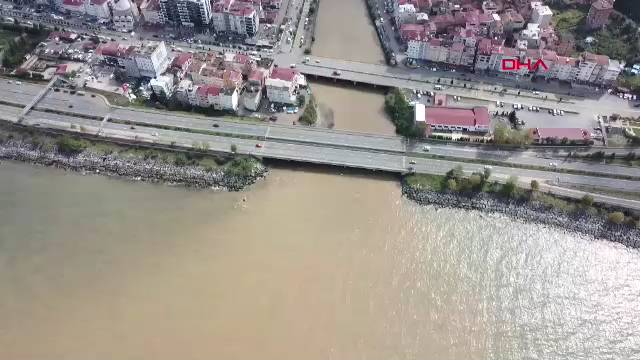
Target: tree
{"points": [[69, 146], [300, 100], [616, 217], [513, 117], [457, 173], [535, 186], [486, 174], [510, 187], [234, 148], [452, 185], [310, 114], [587, 200], [475, 181]]}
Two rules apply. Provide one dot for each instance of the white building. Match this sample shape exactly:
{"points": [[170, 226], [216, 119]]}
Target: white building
{"points": [[405, 14], [282, 86], [541, 15], [163, 85], [531, 35], [125, 15], [152, 60], [214, 96]]}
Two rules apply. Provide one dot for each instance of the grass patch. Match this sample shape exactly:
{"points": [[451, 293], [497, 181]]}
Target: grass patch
{"points": [[568, 20], [427, 181]]}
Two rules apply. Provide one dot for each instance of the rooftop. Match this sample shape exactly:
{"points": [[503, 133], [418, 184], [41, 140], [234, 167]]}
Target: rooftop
{"points": [[560, 133], [477, 116]]}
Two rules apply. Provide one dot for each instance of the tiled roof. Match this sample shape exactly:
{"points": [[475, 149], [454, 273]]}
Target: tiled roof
{"points": [[478, 116], [283, 74], [560, 133]]}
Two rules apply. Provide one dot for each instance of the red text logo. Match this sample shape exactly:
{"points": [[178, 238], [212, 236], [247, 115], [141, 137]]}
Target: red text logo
{"points": [[516, 64]]}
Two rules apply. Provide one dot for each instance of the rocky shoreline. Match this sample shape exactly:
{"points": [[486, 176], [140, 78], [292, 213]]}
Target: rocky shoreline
{"points": [[136, 169], [584, 223]]}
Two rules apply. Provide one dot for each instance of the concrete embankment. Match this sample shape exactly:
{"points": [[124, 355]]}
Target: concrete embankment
{"points": [[529, 211], [138, 169]]}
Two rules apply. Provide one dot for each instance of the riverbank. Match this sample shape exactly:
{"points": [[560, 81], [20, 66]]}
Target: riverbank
{"points": [[527, 210], [235, 175]]}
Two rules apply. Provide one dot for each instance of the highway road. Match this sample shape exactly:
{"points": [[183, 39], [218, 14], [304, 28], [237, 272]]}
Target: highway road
{"points": [[325, 155], [95, 107]]}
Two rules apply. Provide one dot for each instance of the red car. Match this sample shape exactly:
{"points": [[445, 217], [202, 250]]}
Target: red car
{"points": [[258, 145]]}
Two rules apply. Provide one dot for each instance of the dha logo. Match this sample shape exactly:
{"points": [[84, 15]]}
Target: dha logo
{"points": [[515, 65]]}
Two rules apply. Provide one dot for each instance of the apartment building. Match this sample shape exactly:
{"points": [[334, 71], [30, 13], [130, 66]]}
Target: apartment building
{"points": [[214, 96], [237, 17], [152, 59], [189, 13], [150, 10], [541, 15], [282, 86]]}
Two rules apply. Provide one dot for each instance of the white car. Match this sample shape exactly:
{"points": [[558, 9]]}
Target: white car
{"points": [[426, 148], [562, 112], [292, 66]]}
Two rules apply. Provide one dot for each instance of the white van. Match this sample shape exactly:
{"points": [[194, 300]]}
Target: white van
{"points": [[438, 87]]}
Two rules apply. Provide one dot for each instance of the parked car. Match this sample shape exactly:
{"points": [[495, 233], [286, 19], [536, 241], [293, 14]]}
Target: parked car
{"points": [[258, 145]]}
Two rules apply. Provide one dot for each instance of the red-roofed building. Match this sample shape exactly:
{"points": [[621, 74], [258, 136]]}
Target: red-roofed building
{"points": [[182, 62], [560, 135], [214, 96], [453, 119], [282, 85], [61, 69], [415, 32], [76, 6]]}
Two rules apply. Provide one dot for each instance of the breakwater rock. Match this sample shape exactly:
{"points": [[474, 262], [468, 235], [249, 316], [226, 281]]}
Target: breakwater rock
{"points": [[528, 211], [133, 168]]}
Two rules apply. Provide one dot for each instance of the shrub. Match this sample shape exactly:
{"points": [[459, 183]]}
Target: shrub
{"points": [[587, 200], [452, 185], [535, 186], [616, 217], [69, 146]]}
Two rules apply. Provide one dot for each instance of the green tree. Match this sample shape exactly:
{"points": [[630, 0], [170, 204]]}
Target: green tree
{"points": [[510, 187], [401, 114], [535, 186], [475, 181], [300, 100], [587, 200], [486, 174], [616, 217], [457, 173], [310, 114], [234, 148], [513, 117], [452, 185], [70, 146], [504, 135]]}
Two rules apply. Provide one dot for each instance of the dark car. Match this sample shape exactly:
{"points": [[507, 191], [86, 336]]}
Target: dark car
{"points": [[216, 125], [273, 118]]}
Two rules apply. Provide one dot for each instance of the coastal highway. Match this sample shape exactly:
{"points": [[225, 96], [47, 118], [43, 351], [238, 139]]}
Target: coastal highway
{"points": [[327, 155], [96, 107]]}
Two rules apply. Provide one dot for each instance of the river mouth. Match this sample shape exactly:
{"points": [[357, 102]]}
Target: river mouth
{"points": [[306, 263]]}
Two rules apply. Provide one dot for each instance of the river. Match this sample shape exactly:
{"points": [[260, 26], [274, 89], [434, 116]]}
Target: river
{"points": [[312, 265], [334, 39]]}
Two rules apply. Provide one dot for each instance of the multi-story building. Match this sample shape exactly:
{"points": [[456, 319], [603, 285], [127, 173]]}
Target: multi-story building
{"points": [[163, 85], [599, 13], [512, 21], [531, 35], [152, 59], [125, 15], [73, 6], [151, 11], [282, 86], [405, 13], [189, 13], [541, 15], [98, 8], [214, 96], [236, 17]]}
